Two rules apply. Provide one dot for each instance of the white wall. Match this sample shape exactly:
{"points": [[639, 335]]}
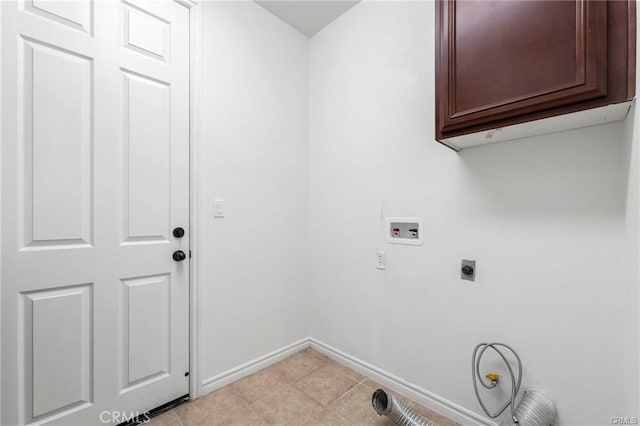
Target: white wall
{"points": [[1, 136], [632, 256], [631, 138], [254, 156], [544, 218]]}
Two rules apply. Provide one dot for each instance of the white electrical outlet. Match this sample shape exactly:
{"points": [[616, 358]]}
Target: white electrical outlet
{"points": [[381, 260]]}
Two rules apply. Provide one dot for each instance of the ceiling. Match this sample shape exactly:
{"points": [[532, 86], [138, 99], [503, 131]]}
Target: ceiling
{"points": [[307, 16]]}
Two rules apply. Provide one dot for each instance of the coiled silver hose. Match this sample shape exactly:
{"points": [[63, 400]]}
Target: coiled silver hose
{"points": [[475, 373], [535, 408], [385, 403]]}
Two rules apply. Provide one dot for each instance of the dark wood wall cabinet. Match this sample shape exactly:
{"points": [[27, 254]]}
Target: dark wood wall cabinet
{"points": [[503, 63]]}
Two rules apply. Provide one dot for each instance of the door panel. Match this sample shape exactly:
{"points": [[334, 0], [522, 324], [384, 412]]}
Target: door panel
{"points": [[147, 333], [57, 327], [146, 33], [147, 151], [56, 123], [75, 14], [95, 156]]}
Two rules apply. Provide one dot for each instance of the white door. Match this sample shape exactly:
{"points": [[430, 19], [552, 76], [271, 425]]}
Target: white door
{"points": [[95, 177]]}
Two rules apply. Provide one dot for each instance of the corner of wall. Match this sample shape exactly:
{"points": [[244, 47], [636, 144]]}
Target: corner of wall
{"points": [[195, 90], [2, 5], [308, 305], [631, 154], [252, 272]]}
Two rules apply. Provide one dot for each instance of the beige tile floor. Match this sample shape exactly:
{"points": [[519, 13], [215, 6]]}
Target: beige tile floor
{"points": [[305, 389]]}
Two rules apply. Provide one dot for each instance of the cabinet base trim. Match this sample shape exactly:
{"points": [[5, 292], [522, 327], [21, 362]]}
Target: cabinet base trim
{"points": [[591, 117]]}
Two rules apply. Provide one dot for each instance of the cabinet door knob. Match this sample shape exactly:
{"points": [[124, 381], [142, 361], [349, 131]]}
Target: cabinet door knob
{"points": [[179, 256]]}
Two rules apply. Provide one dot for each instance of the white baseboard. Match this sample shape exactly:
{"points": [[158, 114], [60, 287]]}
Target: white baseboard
{"points": [[246, 369], [430, 400]]}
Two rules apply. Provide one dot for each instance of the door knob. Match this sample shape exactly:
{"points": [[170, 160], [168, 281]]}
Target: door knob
{"points": [[178, 232], [179, 256]]}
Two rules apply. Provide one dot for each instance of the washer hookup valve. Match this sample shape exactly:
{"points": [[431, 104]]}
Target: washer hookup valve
{"points": [[493, 377]]}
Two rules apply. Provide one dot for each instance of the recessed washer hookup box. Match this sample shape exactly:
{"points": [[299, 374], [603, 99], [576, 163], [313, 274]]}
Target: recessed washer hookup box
{"points": [[404, 230]]}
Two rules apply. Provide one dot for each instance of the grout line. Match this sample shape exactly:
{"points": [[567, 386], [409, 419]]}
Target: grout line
{"points": [[232, 389], [343, 417], [265, 396], [309, 395], [257, 414], [175, 415], [347, 392]]}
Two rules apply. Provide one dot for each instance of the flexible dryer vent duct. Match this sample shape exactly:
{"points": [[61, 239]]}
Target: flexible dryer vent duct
{"points": [[535, 409], [396, 410]]}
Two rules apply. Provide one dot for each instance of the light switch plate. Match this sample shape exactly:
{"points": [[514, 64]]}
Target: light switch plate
{"points": [[218, 208], [381, 260]]}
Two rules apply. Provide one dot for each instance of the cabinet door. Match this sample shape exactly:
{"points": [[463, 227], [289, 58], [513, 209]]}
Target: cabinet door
{"points": [[504, 59]]}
